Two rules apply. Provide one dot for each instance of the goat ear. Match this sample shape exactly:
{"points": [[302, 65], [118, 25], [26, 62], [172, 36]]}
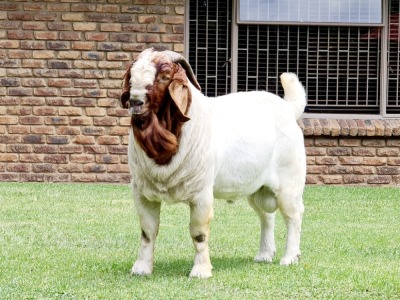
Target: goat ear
{"points": [[125, 96], [180, 94]]}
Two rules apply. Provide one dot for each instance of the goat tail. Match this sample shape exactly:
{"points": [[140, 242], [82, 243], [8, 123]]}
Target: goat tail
{"points": [[294, 92]]}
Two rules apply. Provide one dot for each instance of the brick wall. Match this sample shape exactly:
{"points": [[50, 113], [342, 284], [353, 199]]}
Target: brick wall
{"points": [[61, 65], [353, 152]]}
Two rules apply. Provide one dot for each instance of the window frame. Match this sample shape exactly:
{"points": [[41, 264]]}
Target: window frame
{"points": [[237, 19], [383, 60]]}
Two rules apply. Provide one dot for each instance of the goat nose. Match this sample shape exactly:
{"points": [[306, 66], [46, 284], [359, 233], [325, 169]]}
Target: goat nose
{"points": [[137, 102]]}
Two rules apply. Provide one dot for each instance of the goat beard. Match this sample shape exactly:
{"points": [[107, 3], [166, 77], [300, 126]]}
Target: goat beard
{"points": [[158, 135]]}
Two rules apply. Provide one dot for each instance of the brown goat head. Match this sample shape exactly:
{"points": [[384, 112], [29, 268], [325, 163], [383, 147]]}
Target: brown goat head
{"points": [[157, 93]]}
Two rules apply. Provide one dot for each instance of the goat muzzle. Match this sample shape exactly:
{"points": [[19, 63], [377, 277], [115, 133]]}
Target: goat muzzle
{"points": [[136, 107]]}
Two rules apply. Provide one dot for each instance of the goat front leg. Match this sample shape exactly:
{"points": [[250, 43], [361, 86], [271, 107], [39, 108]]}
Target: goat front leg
{"points": [[149, 218], [200, 218]]}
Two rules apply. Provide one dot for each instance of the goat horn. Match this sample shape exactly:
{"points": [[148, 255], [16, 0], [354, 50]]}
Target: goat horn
{"points": [[178, 58]]}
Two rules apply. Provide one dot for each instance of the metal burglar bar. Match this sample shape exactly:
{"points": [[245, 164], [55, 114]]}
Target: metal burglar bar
{"points": [[338, 65], [210, 44], [393, 92]]}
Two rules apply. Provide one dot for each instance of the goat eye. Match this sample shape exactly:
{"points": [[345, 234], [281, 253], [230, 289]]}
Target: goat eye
{"points": [[165, 78]]}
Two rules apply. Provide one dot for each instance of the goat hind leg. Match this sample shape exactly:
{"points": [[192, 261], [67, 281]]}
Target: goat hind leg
{"points": [[149, 217], [267, 224], [292, 210]]}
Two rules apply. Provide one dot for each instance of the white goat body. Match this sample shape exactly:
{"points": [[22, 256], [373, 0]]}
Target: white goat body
{"points": [[240, 145]]}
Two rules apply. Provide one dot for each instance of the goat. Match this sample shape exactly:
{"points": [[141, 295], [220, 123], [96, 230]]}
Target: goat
{"points": [[186, 147]]}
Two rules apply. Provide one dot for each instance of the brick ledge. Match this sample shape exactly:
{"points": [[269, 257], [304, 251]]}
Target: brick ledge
{"points": [[350, 127]]}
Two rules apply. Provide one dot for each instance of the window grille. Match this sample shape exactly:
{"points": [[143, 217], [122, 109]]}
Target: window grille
{"points": [[339, 66], [210, 44], [393, 91]]}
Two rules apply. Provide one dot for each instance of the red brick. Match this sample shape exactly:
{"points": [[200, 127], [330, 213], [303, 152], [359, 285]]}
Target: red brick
{"points": [[31, 177], [107, 159], [332, 179], [117, 168], [8, 6], [19, 148], [106, 8], [95, 149], [34, 6], [148, 38], [33, 45], [94, 168], [56, 82], [34, 82], [58, 6], [83, 177], [21, 16], [45, 16], [388, 170], [339, 151], [351, 160], [75, 121], [72, 92], [19, 35], [172, 19], [68, 130], [362, 151], [34, 25], [108, 140], [83, 45], [33, 139], [60, 139], [380, 179], [82, 139], [42, 130], [81, 158], [393, 161], [46, 35], [388, 152], [44, 111], [70, 36], [10, 44], [105, 121], [9, 139], [172, 38], [354, 179], [56, 120], [33, 63], [56, 158], [8, 157], [31, 158], [71, 149], [84, 102], [373, 142], [46, 92], [44, 168], [71, 168], [30, 120], [374, 161], [19, 168]]}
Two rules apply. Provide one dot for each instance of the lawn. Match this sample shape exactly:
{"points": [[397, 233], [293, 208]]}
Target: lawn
{"points": [[78, 241]]}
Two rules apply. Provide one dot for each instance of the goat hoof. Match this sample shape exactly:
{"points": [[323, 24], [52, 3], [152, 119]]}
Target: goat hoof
{"points": [[290, 260], [264, 257], [141, 268], [201, 272]]}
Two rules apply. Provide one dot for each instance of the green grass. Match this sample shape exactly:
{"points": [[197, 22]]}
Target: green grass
{"points": [[60, 241]]}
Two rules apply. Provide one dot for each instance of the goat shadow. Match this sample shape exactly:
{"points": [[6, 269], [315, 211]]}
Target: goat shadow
{"points": [[181, 267]]}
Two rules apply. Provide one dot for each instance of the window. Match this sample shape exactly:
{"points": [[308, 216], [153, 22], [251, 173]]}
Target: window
{"points": [[210, 45], [349, 63]]}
